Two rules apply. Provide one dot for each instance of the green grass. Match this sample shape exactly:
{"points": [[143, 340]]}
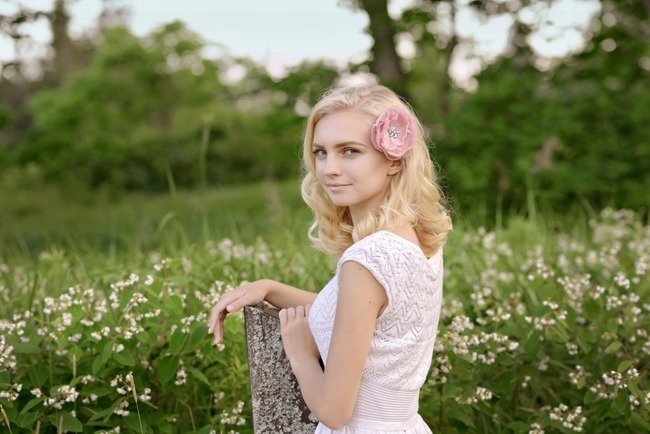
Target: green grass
{"points": [[31, 222], [502, 284]]}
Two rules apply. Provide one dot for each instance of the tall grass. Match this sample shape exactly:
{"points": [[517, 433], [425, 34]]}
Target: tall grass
{"points": [[543, 328], [32, 221]]}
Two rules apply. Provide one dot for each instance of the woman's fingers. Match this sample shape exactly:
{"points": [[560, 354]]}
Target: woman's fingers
{"points": [[290, 314], [228, 303], [216, 324], [286, 316], [283, 317]]}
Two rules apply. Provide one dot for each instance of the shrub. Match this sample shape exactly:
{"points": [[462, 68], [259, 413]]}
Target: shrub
{"points": [[127, 355], [539, 332], [545, 337]]}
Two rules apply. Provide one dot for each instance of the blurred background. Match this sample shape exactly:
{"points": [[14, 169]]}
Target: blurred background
{"points": [[117, 114]]}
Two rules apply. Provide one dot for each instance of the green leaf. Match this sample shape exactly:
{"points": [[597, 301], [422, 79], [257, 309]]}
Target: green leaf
{"points": [[638, 420], [561, 332], [592, 309], [613, 347], [133, 422], [609, 336], [124, 358], [127, 295], [28, 419], [25, 348], [198, 334], [167, 368], [54, 420], [458, 414], [519, 426], [174, 263], [633, 383], [450, 392], [105, 412], [531, 345], [71, 423], [31, 404], [589, 397], [198, 374], [99, 391], [612, 325], [39, 375], [103, 357], [153, 293], [143, 337], [622, 401], [174, 305], [75, 353], [584, 344], [463, 373], [206, 429], [177, 341], [164, 427], [624, 365], [179, 279]]}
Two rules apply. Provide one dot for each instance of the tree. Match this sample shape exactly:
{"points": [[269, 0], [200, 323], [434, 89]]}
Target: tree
{"points": [[575, 133], [385, 60]]}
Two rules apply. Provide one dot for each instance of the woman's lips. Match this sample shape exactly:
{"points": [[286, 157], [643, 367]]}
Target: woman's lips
{"points": [[336, 187]]}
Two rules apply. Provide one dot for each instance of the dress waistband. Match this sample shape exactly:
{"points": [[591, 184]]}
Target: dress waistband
{"points": [[384, 404]]}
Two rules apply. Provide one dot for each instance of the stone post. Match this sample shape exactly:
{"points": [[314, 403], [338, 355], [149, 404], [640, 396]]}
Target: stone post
{"points": [[278, 406]]}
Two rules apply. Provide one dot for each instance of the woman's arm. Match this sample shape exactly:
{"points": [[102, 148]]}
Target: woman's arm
{"points": [[276, 293], [331, 395]]}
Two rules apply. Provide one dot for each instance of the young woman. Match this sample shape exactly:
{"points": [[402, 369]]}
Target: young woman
{"points": [[371, 185]]}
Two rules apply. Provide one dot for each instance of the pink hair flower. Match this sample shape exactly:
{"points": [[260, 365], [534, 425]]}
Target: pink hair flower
{"points": [[394, 133]]}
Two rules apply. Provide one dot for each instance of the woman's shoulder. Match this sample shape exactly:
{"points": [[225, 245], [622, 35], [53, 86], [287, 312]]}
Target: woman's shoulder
{"points": [[385, 247], [383, 243]]}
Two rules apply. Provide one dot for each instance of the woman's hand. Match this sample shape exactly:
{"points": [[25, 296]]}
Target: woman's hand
{"points": [[296, 336], [249, 294]]}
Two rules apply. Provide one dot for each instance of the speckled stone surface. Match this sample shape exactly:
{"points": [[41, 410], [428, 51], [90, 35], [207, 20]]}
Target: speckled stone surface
{"points": [[278, 406]]}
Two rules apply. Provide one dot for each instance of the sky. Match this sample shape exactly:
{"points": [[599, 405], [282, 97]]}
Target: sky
{"points": [[282, 33]]}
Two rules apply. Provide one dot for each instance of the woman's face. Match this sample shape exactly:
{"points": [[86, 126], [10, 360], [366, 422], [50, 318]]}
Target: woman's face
{"points": [[352, 172]]}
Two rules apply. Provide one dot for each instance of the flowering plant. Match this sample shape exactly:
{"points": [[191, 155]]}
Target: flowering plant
{"points": [[394, 132], [540, 332]]}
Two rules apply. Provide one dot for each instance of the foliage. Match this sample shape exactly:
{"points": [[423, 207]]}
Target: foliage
{"points": [[130, 353], [153, 113], [545, 332], [149, 111], [544, 322], [577, 131], [114, 313]]}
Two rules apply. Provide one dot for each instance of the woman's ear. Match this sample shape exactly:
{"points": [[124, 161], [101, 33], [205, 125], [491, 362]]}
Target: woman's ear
{"points": [[395, 166]]}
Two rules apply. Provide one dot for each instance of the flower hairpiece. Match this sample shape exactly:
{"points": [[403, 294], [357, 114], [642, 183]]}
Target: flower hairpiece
{"points": [[394, 132]]}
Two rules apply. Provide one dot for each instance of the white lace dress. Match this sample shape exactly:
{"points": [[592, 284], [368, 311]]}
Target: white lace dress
{"points": [[402, 344]]}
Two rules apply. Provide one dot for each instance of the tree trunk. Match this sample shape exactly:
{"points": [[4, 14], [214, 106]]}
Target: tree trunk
{"points": [[65, 59], [445, 82], [385, 60]]}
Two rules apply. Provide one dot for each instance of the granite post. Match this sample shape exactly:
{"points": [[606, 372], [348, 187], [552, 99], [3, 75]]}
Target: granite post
{"points": [[278, 406]]}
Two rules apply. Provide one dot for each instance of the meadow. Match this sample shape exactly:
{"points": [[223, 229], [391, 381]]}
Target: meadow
{"points": [[104, 302]]}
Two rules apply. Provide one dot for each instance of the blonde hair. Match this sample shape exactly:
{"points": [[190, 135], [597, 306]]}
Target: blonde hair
{"points": [[413, 195]]}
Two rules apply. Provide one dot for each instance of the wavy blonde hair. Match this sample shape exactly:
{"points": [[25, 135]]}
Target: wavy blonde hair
{"points": [[413, 195]]}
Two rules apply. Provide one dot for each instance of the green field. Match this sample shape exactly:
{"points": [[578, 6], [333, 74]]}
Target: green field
{"points": [[105, 299]]}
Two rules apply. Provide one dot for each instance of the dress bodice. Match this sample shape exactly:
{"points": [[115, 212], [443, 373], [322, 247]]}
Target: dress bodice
{"points": [[402, 344]]}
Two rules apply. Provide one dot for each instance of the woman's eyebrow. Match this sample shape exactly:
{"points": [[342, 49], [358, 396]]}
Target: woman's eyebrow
{"points": [[340, 145]]}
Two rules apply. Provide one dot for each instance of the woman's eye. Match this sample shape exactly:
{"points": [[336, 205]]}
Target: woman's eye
{"points": [[350, 151], [319, 152]]}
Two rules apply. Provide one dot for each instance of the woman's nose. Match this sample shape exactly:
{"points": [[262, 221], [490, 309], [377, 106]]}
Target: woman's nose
{"points": [[331, 167]]}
